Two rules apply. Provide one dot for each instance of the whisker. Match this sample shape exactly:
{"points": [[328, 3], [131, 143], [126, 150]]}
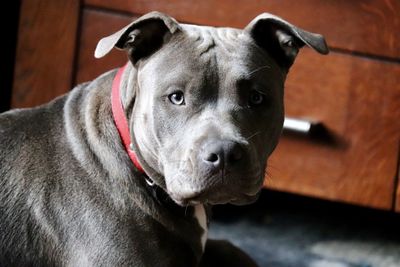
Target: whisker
{"points": [[267, 174], [272, 167], [258, 69], [251, 136], [270, 178]]}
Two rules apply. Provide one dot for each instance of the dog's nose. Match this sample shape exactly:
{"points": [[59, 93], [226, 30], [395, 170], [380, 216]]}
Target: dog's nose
{"points": [[222, 154]]}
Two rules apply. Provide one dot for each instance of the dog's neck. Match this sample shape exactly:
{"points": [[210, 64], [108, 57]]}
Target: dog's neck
{"points": [[128, 94], [127, 137], [121, 121]]}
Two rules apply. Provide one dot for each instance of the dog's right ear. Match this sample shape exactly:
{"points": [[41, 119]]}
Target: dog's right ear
{"points": [[141, 38], [283, 40]]}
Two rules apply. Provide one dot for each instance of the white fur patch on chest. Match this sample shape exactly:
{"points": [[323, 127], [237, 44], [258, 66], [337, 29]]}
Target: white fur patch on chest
{"points": [[200, 215]]}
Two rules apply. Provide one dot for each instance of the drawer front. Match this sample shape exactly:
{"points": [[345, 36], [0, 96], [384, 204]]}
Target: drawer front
{"points": [[96, 25], [45, 51], [356, 99], [370, 27], [397, 204]]}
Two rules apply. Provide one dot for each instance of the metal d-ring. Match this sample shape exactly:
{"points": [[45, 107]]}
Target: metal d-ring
{"points": [[149, 181]]}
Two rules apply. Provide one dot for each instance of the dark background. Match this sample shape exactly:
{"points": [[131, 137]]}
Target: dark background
{"points": [[9, 41]]}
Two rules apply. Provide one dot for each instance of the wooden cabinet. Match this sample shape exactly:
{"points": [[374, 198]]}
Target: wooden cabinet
{"points": [[45, 51], [357, 99], [354, 91]]}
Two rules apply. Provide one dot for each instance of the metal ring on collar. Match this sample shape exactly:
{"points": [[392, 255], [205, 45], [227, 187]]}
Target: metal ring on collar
{"points": [[149, 181]]}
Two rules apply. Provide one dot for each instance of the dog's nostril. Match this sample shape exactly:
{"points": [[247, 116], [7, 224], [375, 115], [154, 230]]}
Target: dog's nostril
{"points": [[222, 154], [212, 157]]}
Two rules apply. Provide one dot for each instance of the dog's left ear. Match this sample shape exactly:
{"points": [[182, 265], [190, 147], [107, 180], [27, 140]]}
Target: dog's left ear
{"points": [[283, 40], [140, 38]]}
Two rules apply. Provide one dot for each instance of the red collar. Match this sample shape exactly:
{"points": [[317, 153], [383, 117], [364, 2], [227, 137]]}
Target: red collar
{"points": [[120, 119]]}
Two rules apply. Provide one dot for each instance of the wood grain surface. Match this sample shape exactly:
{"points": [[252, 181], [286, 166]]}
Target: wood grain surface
{"points": [[96, 25], [45, 51], [370, 27], [397, 196], [358, 101]]}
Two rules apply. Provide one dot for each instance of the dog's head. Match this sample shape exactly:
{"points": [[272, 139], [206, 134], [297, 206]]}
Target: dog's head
{"points": [[206, 104]]}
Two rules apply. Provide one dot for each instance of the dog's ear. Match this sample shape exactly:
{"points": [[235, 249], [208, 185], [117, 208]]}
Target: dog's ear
{"points": [[283, 40], [140, 38]]}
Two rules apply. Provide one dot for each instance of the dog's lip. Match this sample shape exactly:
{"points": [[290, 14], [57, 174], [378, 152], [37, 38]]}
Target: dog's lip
{"points": [[207, 197], [220, 193], [195, 199], [246, 200]]}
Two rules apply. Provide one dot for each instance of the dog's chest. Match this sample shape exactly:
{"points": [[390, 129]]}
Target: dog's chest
{"points": [[200, 215]]}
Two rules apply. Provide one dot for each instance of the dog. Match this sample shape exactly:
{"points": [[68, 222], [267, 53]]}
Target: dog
{"points": [[122, 171]]}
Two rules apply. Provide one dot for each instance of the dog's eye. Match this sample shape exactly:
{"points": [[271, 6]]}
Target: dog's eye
{"points": [[177, 98], [256, 98]]}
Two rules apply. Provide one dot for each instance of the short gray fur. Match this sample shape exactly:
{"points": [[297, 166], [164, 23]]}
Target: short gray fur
{"points": [[69, 194]]}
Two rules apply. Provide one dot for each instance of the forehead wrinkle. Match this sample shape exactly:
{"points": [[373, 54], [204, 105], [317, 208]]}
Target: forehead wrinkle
{"points": [[207, 38], [202, 39]]}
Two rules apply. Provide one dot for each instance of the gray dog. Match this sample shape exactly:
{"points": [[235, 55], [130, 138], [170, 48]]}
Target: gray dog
{"points": [[121, 171]]}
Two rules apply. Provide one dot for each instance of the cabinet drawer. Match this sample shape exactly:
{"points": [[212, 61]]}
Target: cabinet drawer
{"points": [[370, 27], [358, 101], [46, 41], [397, 205], [96, 25]]}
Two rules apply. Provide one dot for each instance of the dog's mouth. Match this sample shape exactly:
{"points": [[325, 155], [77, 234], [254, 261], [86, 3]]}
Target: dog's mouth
{"points": [[242, 199], [237, 193], [205, 198]]}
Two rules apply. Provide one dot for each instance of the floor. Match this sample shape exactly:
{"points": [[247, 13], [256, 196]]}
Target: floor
{"points": [[282, 230]]}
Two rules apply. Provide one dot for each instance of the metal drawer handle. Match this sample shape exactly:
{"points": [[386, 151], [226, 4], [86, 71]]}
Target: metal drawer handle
{"points": [[300, 126], [314, 131]]}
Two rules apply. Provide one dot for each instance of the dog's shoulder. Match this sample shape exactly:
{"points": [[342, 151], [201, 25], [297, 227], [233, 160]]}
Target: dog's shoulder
{"points": [[42, 118]]}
